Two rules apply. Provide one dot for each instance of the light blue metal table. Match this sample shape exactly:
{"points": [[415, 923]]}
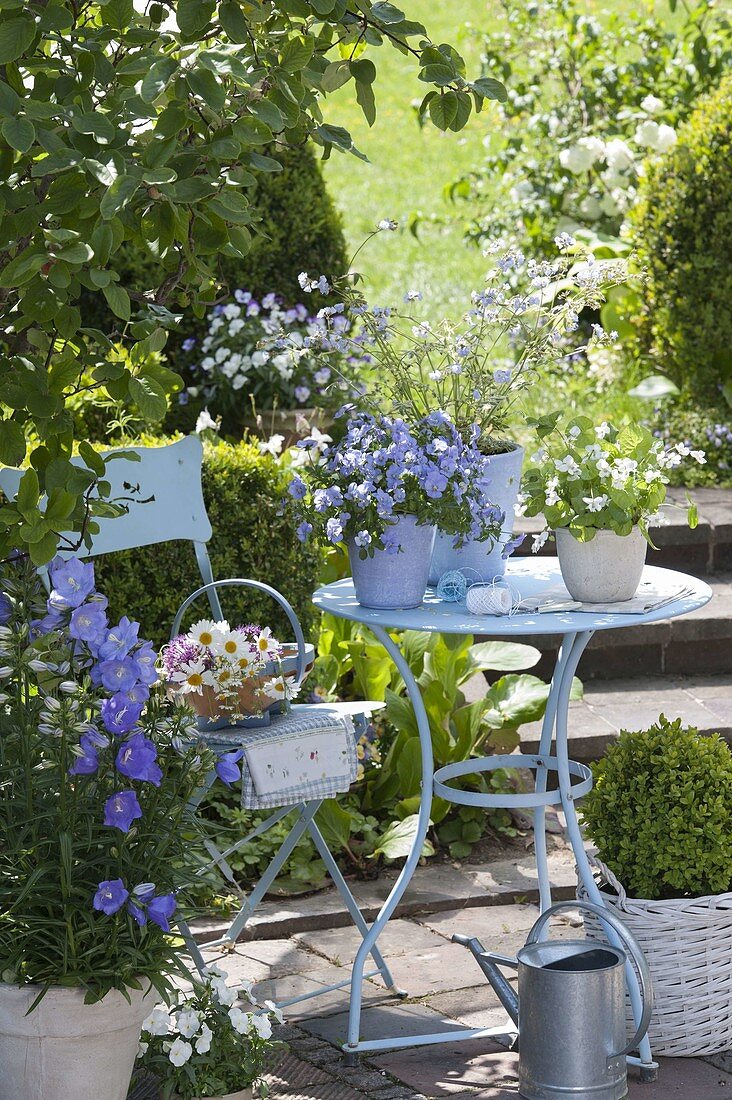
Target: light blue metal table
{"points": [[530, 577]]}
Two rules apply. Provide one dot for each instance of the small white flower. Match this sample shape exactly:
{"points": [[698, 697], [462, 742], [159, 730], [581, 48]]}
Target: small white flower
{"points": [[246, 989], [180, 1051], [538, 456], [188, 1022], [206, 632], [158, 1022], [142, 1049], [263, 1026], [596, 504], [539, 541], [273, 445], [223, 993], [276, 1012], [206, 422], [699, 456], [387, 224], [666, 138], [651, 104], [574, 431], [602, 431], [580, 157], [203, 1042], [618, 155], [240, 1020]]}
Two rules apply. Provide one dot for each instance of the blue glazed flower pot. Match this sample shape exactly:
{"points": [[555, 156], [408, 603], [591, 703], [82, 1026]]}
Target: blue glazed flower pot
{"points": [[483, 560], [391, 581]]}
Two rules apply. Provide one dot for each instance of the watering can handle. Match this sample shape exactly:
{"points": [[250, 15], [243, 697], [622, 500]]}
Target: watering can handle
{"points": [[646, 987]]}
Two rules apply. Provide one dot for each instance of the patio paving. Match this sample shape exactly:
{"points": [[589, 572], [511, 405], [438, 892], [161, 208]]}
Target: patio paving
{"points": [[445, 990]]}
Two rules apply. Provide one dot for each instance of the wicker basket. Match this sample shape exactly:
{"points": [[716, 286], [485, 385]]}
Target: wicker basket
{"points": [[688, 945]]}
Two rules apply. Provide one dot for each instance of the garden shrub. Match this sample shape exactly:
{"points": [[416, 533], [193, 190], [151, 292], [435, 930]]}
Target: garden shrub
{"points": [[243, 491], [700, 428], [683, 231], [299, 229], [660, 812]]}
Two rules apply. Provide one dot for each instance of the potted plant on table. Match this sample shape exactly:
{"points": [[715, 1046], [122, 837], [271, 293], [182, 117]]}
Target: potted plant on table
{"points": [[207, 1047], [600, 489], [660, 814], [475, 368], [382, 490], [97, 768]]}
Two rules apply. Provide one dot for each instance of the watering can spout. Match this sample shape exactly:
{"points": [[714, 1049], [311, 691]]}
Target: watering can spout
{"points": [[489, 962]]}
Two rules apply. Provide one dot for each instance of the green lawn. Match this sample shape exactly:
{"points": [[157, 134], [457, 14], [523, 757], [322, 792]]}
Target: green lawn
{"points": [[408, 169]]}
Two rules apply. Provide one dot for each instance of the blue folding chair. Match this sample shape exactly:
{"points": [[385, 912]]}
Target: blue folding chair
{"points": [[170, 507]]}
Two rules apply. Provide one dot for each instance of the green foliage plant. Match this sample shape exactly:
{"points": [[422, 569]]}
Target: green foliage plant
{"points": [[660, 811], [150, 128], [591, 97], [600, 478], [683, 231], [242, 490]]}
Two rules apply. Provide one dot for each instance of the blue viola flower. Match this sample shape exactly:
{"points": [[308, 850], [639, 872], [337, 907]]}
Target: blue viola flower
{"points": [[227, 767], [297, 488], [511, 545], [119, 673], [160, 909], [120, 714], [88, 762], [110, 896], [121, 809], [303, 531], [120, 639], [189, 343], [71, 582], [137, 760]]}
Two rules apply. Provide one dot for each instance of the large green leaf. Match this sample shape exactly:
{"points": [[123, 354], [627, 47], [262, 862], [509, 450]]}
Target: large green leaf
{"points": [[514, 700], [501, 657], [409, 768], [16, 36], [19, 132], [334, 823], [396, 842]]}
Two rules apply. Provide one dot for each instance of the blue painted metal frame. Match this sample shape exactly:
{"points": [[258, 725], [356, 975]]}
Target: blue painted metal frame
{"points": [[576, 630]]}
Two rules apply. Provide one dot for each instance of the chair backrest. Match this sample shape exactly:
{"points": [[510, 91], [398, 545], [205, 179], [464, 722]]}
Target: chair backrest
{"points": [[164, 498], [162, 493]]}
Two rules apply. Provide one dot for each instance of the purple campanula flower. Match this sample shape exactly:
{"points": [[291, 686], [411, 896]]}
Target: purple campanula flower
{"points": [[118, 673], [6, 609], [121, 809], [145, 658], [54, 620], [391, 542], [137, 912], [303, 531], [89, 621], [88, 762], [110, 896], [140, 693], [120, 639], [160, 909], [71, 582], [136, 759], [501, 376], [120, 714], [227, 767]]}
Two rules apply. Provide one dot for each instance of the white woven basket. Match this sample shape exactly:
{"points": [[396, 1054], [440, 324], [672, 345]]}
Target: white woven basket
{"points": [[688, 945]]}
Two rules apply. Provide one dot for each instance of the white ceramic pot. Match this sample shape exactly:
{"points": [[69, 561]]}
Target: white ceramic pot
{"points": [[66, 1050], [483, 560], [607, 569]]}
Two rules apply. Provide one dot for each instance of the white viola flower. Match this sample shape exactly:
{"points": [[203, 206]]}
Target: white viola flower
{"points": [[142, 1049], [238, 381], [626, 467], [188, 1022], [246, 989], [221, 354], [158, 1022], [519, 507], [658, 519], [435, 375], [604, 468], [564, 241], [653, 475], [223, 993], [203, 1042], [699, 456], [602, 431], [180, 1051], [651, 104], [208, 363], [538, 456], [263, 1026], [552, 498], [275, 1011], [582, 156], [231, 311], [206, 421], [216, 324], [566, 465], [259, 357], [596, 504], [618, 155], [574, 431], [539, 541], [646, 134], [666, 138], [273, 446], [682, 449], [240, 1020]]}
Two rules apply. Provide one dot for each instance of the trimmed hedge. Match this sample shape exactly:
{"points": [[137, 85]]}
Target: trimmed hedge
{"points": [[243, 491], [299, 229], [683, 234]]}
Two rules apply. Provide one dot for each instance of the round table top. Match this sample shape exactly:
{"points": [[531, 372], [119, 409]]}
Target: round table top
{"points": [[530, 578]]}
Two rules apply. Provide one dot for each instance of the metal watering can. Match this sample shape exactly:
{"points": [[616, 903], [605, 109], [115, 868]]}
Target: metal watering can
{"points": [[572, 1037]]}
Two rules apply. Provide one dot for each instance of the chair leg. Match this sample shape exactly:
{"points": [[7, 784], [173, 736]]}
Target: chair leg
{"points": [[351, 905]]}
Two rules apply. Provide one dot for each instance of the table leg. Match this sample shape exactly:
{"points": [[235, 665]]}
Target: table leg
{"points": [[575, 645], [423, 823]]}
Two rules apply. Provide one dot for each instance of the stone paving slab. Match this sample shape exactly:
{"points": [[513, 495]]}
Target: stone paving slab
{"points": [[340, 945]]}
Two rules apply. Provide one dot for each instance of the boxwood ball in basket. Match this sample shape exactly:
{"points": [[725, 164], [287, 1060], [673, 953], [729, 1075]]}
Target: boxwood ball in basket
{"points": [[233, 676]]}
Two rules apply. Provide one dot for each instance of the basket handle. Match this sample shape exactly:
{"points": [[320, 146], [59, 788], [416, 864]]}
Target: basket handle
{"points": [[631, 944], [276, 596]]}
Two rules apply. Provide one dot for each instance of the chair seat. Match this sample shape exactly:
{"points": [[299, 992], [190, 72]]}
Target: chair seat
{"points": [[231, 736]]}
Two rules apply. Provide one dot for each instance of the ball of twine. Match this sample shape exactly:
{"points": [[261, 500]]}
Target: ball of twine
{"points": [[452, 586], [489, 599]]}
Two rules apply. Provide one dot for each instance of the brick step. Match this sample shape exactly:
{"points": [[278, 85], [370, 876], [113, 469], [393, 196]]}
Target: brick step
{"points": [[595, 721], [696, 644], [706, 549]]}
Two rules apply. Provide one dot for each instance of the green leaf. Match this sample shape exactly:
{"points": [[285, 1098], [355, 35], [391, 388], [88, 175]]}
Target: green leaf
{"points": [[232, 206], [334, 823], [96, 124], [336, 75], [23, 267], [396, 842], [501, 656], [12, 443], [516, 699], [118, 195], [19, 132], [118, 300], [193, 16], [43, 550], [409, 768], [366, 101], [28, 493], [16, 36], [234, 21], [489, 88], [158, 78], [149, 396], [92, 458], [118, 13], [654, 386], [190, 190], [443, 110], [363, 71], [296, 53], [204, 84], [387, 13]]}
